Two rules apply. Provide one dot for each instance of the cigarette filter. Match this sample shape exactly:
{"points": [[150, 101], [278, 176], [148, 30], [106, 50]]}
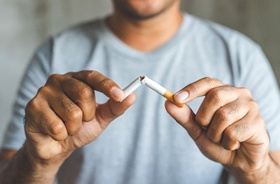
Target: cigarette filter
{"points": [[160, 90]]}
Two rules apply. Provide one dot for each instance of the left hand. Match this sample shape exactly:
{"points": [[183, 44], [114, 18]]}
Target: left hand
{"points": [[227, 128]]}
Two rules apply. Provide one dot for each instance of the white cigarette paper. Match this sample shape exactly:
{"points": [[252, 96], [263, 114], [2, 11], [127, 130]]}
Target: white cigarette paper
{"points": [[151, 84], [132, 86]]}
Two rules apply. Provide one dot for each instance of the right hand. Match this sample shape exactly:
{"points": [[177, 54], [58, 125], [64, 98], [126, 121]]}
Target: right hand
{"points": [[64, 114]]}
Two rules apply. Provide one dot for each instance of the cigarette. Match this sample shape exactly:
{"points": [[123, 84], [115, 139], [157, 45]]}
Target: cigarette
{"points": [[151, 84], [132, 86], [160, 90]]}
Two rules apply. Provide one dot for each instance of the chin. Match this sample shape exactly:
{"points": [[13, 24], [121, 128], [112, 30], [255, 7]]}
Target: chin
{"points": [[143, 9]]}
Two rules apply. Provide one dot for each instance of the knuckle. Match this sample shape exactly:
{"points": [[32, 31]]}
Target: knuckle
{"points": [[64, 102], [231, 146], [43, 90], [107, 83], [31, 105], [254, 106], [51, 125], [215, 95], [69, 74], [194, 88], [229, 133], [222, 115], [212, 81], [87, 93], [57, 127], [246, 92], [201, 119], [90, 74], [75, 114], [53, 78], [211, 134], [208, 79]]}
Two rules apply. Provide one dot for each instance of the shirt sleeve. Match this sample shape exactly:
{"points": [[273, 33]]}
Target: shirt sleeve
{"points": [[35, 76], [258, 76]]}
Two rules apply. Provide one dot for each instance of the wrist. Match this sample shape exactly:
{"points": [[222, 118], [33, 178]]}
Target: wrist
{"points": [[41, 170], [258, 174]]}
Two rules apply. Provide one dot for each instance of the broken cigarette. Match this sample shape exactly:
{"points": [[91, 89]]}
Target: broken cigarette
{"points": [[132, 86], [153, 85]]}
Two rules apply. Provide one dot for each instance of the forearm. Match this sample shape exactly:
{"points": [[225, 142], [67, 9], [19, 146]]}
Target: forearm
{"points": [[22, 168], [268, 173]]}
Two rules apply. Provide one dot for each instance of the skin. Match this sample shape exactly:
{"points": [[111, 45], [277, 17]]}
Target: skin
{"points": [[155, 23], [64, 115], [228, 129]]}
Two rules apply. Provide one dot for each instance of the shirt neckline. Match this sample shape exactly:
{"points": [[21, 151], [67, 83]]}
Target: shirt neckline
{"points": [[122, 49]]}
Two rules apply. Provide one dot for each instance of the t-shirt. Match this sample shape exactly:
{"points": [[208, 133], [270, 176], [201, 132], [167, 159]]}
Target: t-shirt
{"points": [[145, 145]]}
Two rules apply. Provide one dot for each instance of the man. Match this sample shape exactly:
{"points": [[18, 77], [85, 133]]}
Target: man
{"points": [[68, 136]]}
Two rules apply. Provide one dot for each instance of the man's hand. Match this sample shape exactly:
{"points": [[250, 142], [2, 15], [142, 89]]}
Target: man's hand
{"points": [[227, 128], [64, 114]]}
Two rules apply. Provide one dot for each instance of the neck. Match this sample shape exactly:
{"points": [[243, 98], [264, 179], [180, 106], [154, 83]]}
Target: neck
{"points": [[146, 34]]}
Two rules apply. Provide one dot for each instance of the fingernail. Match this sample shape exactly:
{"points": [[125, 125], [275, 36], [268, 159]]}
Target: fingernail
{"points": [[183, 95], [117, 93]]}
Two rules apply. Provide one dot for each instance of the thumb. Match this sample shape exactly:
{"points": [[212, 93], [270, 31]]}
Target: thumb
{"points": [[186, 118], [106, 113]]}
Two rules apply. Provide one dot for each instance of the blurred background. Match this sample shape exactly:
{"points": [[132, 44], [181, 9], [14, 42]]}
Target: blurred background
{"points": [[24, 25]]}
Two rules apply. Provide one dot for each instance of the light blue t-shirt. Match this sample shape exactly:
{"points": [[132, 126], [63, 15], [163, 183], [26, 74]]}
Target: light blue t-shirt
{"points": [[145, 145]]}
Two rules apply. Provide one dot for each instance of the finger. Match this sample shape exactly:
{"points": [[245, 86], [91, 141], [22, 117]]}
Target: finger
{"points": [[246, 130], [185, 117], [44, 121], [215, 99], [196, 89], [109, 111], [101, 83], [224, 117], [68, 112], [53, 126], [82, 95]]}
